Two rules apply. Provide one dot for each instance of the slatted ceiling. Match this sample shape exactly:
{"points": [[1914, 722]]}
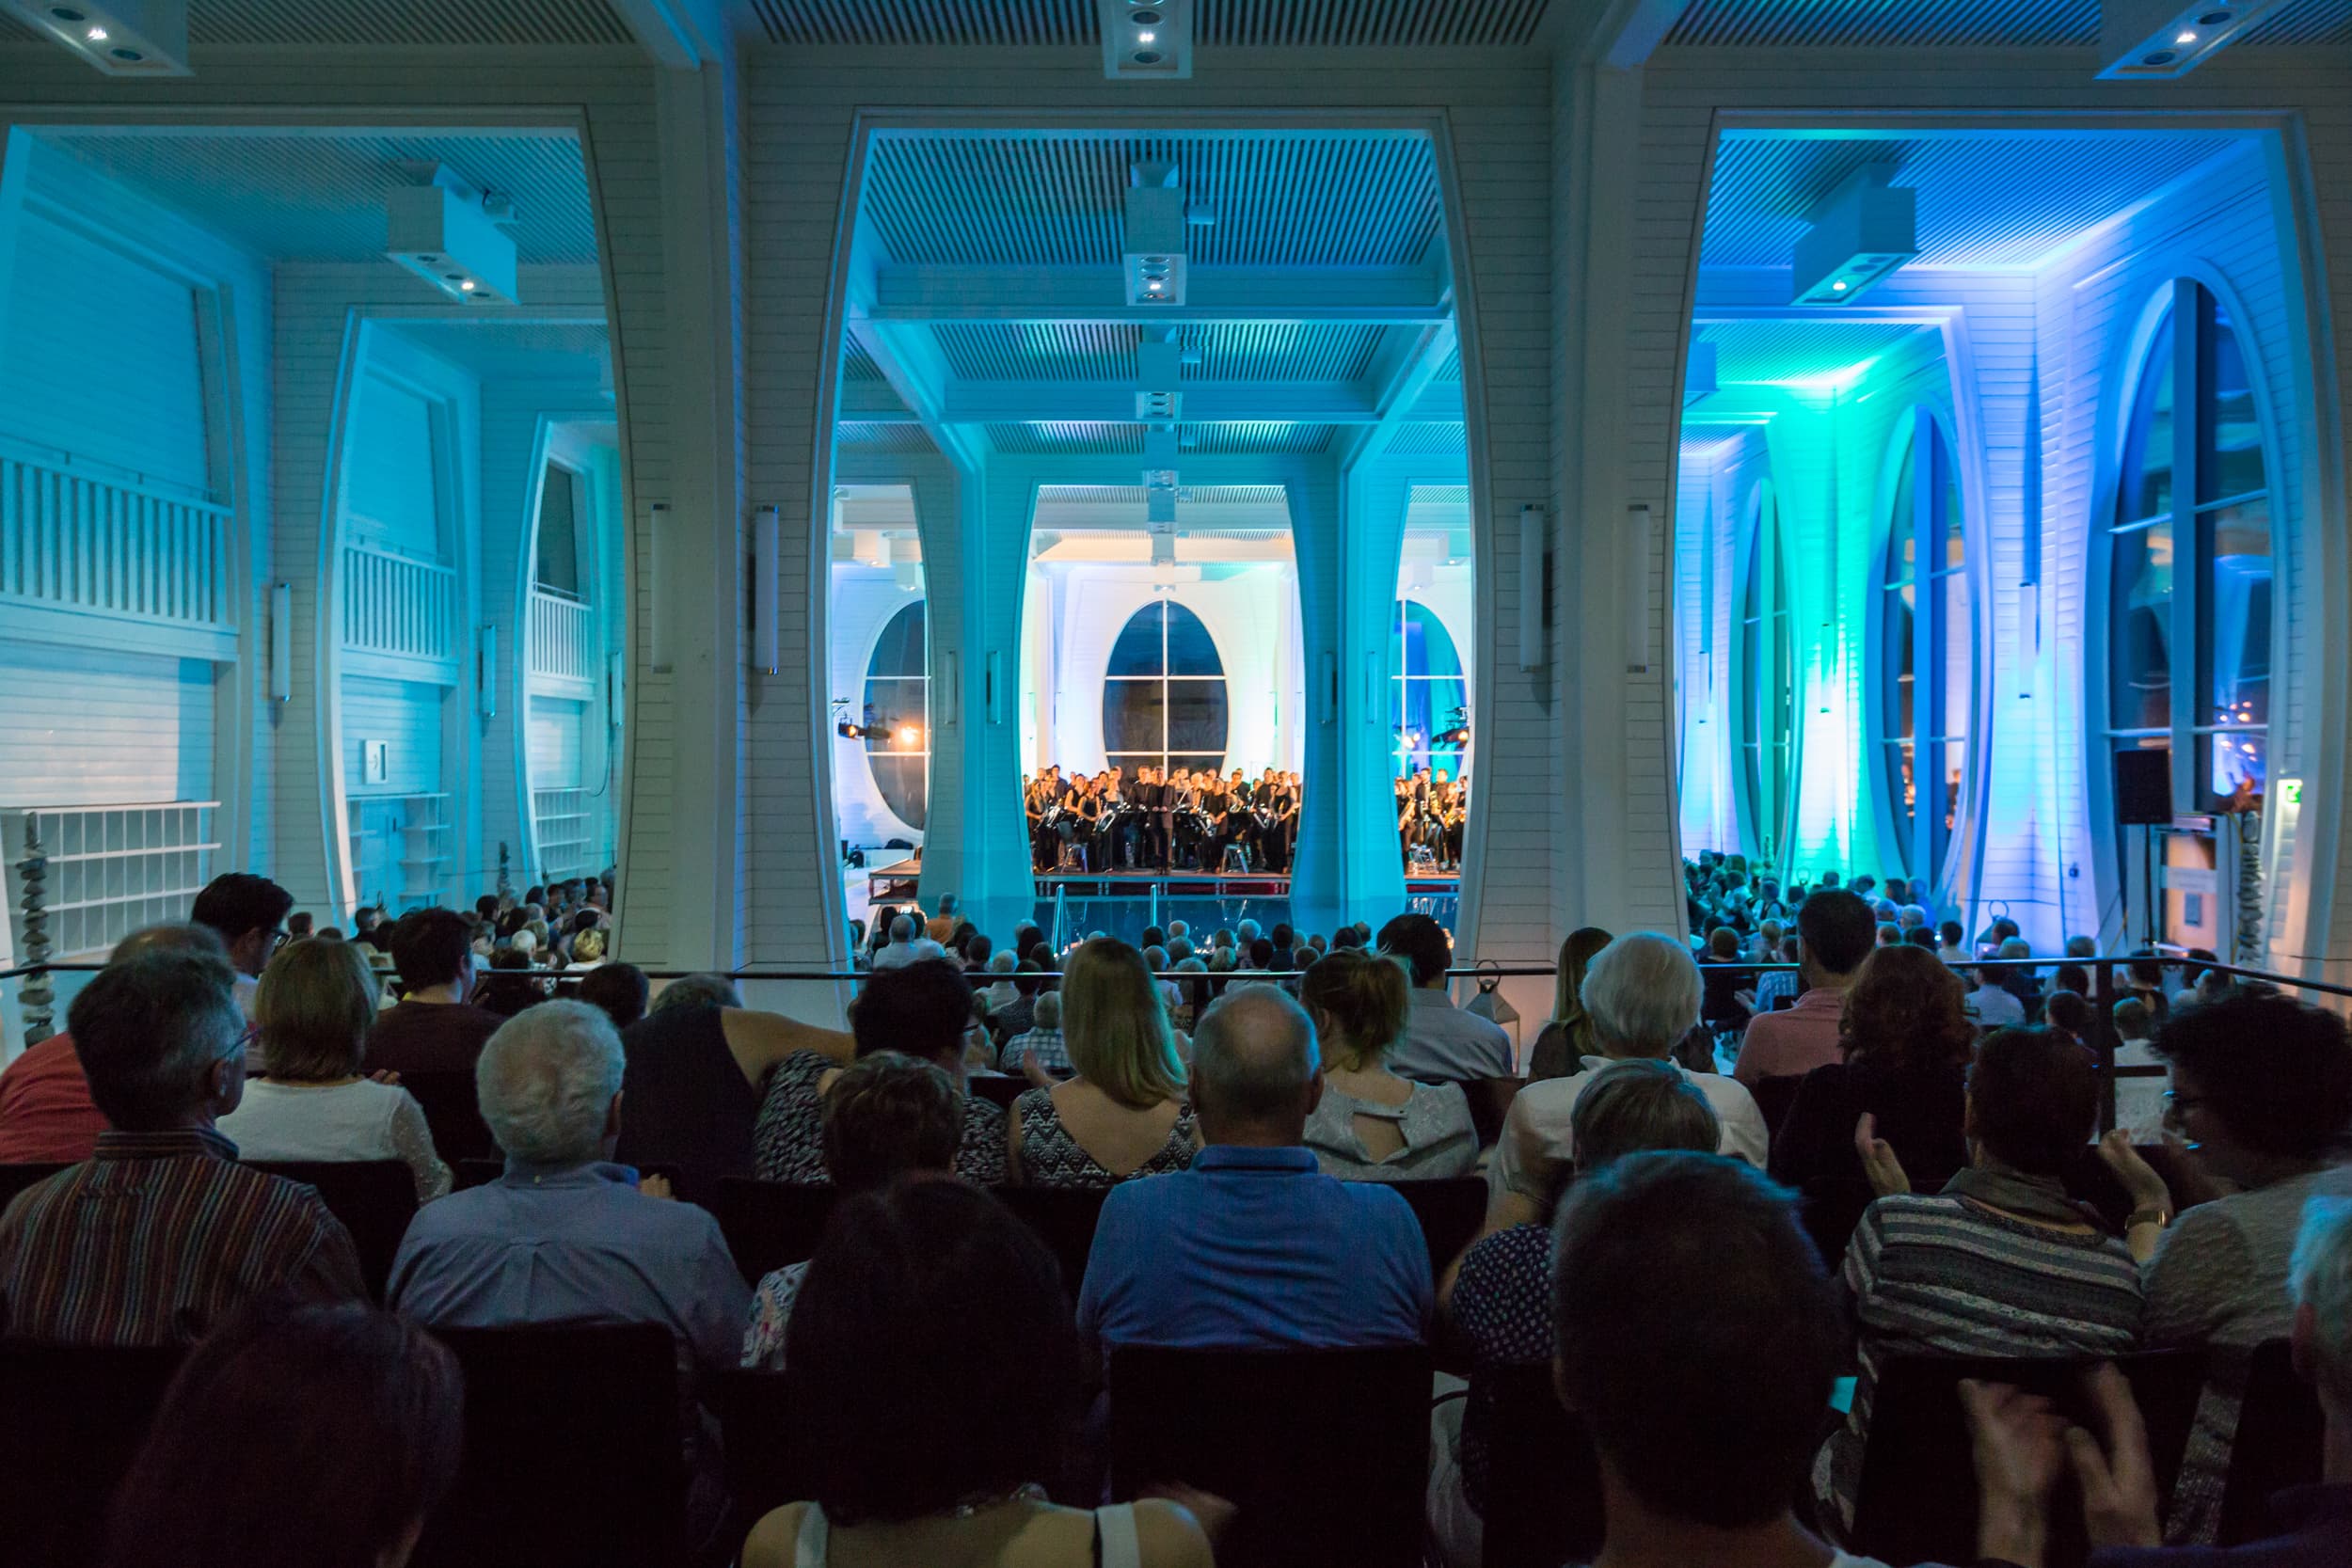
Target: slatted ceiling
{"points": [[321, 198], [1245, 23], [1069, 437], [1776, 352], [1127, 494], [1996, 199], [1705, 443], [1887, 24], [882, 436], [1451, 371], [856, 364], [405, 21], [1258, 435], [1277, 351], [1039, 351], [1429, 439], [1280, 200], [2314, 22]]}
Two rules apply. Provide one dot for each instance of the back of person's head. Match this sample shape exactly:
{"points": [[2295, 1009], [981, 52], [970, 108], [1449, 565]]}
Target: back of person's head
{"points": [[588, 947], [1642, 993], [1907, 1010], [1694, 1334], [314, 1007], [1837, 931], [1888, 934], [1002, 963], [921, 1008], [889, 1114], [2033, 1100], [2073, 978], [1027, 975], [2319, 1280], [2068, 1010], [158, 1035], [1115, 1025], [1722, 944], [1261, 954], [2016, 947], [1153, 937], [2276, 1073], [2132, 1019], [979, 950], [1421, 943], [547, 1081], [1046, 1014], [1631, 1106], [903, 929], [901, 1410], [1282, 936], [1359, 1003], [620, 989], [2082, 948], [296, 1435], [1254, 1064], [1920, 936], [237, 904], [1025, 937], [1949, 933], [172, 937], [1155, 957], [431, 947], [691, 991]]}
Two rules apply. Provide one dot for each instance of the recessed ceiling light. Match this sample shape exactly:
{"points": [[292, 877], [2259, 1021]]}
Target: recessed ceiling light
{"points": [[66, 13], [2185, 37], [2213, 19], [1143, 17], [2162, 56], [1839, 286], [1147, 56], [466, 287], [96, 34], [128, 57]]}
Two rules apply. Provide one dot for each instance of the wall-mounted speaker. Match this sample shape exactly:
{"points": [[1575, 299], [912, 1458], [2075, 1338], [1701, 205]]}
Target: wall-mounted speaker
{"points": [[2143, 787]]}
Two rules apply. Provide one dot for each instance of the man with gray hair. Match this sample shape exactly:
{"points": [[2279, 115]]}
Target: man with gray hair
{"points": [[1255, 1249], [565, 1236]]}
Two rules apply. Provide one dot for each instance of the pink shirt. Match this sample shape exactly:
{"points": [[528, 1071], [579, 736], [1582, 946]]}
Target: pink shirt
{"points": [[45, 1110], [1794, 1041]]}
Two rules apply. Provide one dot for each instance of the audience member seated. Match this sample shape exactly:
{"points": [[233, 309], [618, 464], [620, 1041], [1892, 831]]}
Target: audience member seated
{"points": [[46, 1117], [920, 1009], [1443, 1044], [160, 1233], [1907, 1042], [1695, 1335], [1643, 994], [2024, 1446], [435, 1027], [1124, 1115], [1039, 1051], [2139, 1102], [249, 914], [1371, 1125], [2000, 1263], [908, 946], [1567, 1038], [1989, 1004], [1498, 1298], [934, 1384], [315, 1102], [295, 1436], [2262, 1090], [1252, 1248], [1836, 935], [886, 1115], [1019, 1016], [1726, 991], [620, 990], [698, 1065]]}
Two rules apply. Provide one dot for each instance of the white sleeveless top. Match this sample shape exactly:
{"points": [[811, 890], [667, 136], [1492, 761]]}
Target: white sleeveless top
{"points": [[1115, 1545]]}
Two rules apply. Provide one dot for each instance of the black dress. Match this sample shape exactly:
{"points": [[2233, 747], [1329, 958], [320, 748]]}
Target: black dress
{"points": [[686, 1100], [1921, 1114]]}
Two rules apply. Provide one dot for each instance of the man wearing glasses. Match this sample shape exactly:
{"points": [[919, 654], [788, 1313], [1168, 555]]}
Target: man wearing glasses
{"points": [[250, 913]]}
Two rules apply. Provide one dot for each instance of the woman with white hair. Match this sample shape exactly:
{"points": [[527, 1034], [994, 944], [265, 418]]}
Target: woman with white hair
{"points": [[1642, 994]]}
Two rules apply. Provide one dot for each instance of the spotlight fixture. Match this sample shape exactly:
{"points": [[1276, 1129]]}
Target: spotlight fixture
{"points": [[116, 37], [452, 236], [1146, 38], [1861, 233], [2162, 39]]}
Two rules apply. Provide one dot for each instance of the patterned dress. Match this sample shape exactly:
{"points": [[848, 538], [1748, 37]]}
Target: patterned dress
{"points": [[788, 1144], [1502, 1305], [1050, 1157]]}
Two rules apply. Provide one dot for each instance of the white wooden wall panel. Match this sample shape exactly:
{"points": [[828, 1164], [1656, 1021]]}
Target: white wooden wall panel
{"points": [[86, 726]]}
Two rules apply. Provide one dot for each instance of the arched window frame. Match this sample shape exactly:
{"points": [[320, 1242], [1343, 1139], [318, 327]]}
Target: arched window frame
{"points": [[1166, 757], [1765, 624], [1921, 832], [2189, 514], [885, 743], [1455, 759]]}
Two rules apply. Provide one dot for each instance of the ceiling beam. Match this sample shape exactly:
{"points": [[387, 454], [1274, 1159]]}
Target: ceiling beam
{"points": [[962, 402], [1412, 366], [1397, 294], [678, 34], [910, 362], [1636, 27]]}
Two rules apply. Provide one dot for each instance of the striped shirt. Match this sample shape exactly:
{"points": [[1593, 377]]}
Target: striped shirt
{"points": [[157, 1237], [1926, 1274]]}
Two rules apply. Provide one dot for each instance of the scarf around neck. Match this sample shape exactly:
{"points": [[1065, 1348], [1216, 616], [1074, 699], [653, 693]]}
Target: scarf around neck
{"points": [[2041, 1198]]}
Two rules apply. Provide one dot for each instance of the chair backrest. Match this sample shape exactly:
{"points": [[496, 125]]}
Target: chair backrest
{"points": [[1325, 1453], [765, 1469], [1543, 1479], [1773, 1095], [15, 1179], [1918, 1497], [1451, 1214], [1064, 1219], [1489, 1103], [770, 1224], [71, 1420], [575, 1456], [999, 1091], [2281, 1430], [452, 1112], [374, 1199]]}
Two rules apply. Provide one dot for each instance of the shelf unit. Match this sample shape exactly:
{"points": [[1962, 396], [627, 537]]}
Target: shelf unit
{"points": [[565, 830], [112, 868], [409, 833]]}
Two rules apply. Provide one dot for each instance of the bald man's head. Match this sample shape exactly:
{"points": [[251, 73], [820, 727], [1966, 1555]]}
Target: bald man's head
{"points": [[1254, 1069]]}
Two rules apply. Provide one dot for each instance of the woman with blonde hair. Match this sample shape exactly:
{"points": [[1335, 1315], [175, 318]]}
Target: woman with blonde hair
{"points": [[1370, 1125], [1126, 1114], [315, 1101], [1563, 1043]]}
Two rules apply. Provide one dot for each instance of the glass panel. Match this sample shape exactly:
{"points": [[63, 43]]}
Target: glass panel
{"points": [[1205, 762], [2230, 436], [2235, 606], [899, 649], [1137, 652], [1903, 685], [1438, 654], [2236, 759], [1906, 782], [1135, 716], [2146, 490], [1405, 644], [1954, 524], [1955, 761], [1196, 716], [1903, 538], [2140, 611], [559, 535], [1958, 663], [1190, 649], [904, 784], [896, 709]]}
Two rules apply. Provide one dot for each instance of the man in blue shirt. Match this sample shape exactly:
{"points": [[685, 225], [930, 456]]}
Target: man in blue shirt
{"points": [[1253, 1248]]}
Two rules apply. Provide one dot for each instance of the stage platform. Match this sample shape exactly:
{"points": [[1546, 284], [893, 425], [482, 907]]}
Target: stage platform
{"points": [[899, 879]]}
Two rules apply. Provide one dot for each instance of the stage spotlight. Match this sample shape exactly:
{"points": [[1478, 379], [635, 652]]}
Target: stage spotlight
{"points": [[909, 735]]}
